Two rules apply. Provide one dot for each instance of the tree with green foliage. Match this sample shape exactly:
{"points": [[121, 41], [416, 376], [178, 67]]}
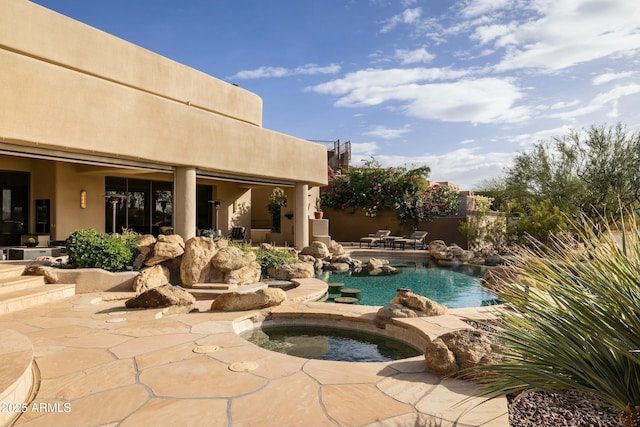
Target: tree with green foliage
{"points": [[593, 172], [373, 188]]}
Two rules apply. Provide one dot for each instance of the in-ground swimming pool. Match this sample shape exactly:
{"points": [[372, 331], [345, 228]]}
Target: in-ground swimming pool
{"points": [[454, 287], [324, 343]]}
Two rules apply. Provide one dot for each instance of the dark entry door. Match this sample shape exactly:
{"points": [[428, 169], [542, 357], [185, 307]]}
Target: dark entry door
{"points": [[14, 207]]}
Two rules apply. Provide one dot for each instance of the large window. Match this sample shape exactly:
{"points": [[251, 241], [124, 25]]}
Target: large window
{"points": [[146, 207], [14, 202]]}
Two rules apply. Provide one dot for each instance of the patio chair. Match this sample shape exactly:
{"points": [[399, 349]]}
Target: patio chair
{"points": [[374, 239], [416, 238], [238, 234]]}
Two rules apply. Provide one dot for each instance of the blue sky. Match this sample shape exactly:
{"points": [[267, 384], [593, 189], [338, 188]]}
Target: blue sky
{"points": [[460, 86]]}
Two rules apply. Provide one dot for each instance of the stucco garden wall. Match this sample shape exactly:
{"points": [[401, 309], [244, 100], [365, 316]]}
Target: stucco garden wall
{"points": [[348, 226]]}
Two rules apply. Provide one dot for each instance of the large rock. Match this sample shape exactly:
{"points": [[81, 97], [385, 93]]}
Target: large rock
{"points": [[316, 249], [296, 270], [245, 275], [166, 247], [378, 267], [437, 247], [386, 314], [49, 273], [196, 260], [164, 296], [232, 258], [335, 248], [234, 301], [419, 303], [338, 267], [151, 277], [406, 304], [496, 278], [458, 350]]}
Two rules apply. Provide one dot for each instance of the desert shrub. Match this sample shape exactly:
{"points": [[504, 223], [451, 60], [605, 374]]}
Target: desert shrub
{"points": [[92, 249], [273, 258], [572, 319]]}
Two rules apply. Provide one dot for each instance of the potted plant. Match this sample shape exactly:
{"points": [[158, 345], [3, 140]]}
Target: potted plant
{"points": [[277, 201], [318, 214]]}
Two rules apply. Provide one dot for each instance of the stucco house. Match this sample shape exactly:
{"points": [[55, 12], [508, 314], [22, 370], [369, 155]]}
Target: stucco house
{"points": [[85, 116]]}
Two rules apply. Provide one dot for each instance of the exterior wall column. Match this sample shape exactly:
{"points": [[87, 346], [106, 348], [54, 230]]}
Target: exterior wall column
{"points": [[185, 202], [301, 216]]}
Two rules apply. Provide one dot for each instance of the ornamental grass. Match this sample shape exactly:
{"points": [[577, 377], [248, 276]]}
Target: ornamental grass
{"points": [[571, 319]]}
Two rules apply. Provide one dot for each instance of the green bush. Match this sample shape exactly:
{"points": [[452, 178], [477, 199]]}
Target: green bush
{"points": [[272, 258], [572, 319], [92, 249]]}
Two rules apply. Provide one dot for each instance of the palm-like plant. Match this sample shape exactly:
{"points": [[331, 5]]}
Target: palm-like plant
{"points": [[572, 320]]}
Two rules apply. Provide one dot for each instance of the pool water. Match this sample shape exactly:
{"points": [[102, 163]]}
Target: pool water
{"points": [[454, 287], [314, 342]]}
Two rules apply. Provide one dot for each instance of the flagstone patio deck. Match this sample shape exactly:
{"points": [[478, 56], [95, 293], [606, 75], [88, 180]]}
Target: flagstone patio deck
{"points": [[117, 367]]}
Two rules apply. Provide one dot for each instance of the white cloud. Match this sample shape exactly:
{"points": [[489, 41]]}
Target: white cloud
{"points": [[467, 141], [599, 102], [564, 34], [363, 150], [414, 56], [562, 104], [275, 72], [387, 133], [474, 8], [609, 77], [464, 166], [487, 33], [484, 100], [408, 16]]}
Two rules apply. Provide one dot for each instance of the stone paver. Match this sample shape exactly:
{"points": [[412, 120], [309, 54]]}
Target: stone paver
{"points": [[141, 370]]}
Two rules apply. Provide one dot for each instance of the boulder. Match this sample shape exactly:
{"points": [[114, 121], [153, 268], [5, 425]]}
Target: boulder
{"points": [[437, 246], [497, 277], [196, 260], [164, 296], [232, 258], [172, 238], [166, 247], [440, 359], [335, 248], [407, 304], [385, 315], [298, 270], [307, 258], [243, 276], [379, 267], [145, 241], [419, 303], [338, 267], [234, 301], [151, 277], [316, 249], [458, 350], [143, 254], [37, 269]]}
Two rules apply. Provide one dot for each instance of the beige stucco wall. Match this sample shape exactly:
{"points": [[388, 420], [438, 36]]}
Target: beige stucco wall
{"points": [[348, 226], [70, 87]]}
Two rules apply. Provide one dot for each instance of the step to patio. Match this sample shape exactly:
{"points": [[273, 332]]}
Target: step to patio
{"points": [[17, 377], [211, 290], [18, 292], [31, 297], [13, 284]]}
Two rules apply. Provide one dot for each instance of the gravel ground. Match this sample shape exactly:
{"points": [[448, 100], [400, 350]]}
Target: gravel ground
{"points": [[562, 409]]}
